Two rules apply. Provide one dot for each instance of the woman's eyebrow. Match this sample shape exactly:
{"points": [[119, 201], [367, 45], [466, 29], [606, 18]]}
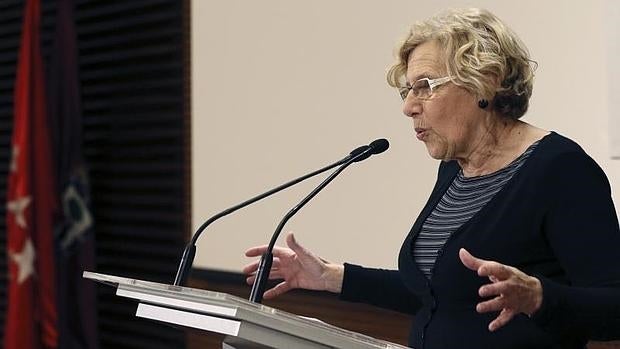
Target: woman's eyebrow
{"points": [[419, 76]]}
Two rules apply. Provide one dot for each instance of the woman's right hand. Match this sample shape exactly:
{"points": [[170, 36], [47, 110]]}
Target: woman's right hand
{"points": [[298, 268]]}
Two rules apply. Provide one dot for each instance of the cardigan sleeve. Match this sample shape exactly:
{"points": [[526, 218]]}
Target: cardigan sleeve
{"points": [[581, 227], [379, 287]]}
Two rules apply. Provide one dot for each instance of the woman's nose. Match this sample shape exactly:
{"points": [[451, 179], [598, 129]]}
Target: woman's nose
{"points": [[411, 107]]}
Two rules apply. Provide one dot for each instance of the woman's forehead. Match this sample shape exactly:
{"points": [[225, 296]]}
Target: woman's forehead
{"points": [[424, 61]]}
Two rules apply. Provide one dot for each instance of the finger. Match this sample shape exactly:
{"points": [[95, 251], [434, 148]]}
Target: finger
{"points": [[250, 279], [251, 267], [276, 274], [282, 252], [305, 256], [495, 304], [279, 289], [273, 275], [255, 251], [292, 243], [495, 271], [501, 320], [260, 250], [470, 261], [494, 289]]}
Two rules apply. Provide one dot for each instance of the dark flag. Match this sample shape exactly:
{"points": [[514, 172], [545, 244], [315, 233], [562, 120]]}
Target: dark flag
{"points": [[74, 238], [31, 319]]}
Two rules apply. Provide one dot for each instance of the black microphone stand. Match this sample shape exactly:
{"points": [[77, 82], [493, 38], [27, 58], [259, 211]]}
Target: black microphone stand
{"points": [[264, 266], [190, 249]]}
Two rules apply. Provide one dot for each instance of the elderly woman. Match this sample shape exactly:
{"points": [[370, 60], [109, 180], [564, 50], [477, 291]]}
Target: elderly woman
{"points": [[517, 246]]}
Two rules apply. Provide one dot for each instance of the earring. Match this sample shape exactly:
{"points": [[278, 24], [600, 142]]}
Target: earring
{"points": [[483, 103]]}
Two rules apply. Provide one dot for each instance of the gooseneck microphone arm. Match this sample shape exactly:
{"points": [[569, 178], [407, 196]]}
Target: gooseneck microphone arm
{"points": [[190, 249], [264, 266]]}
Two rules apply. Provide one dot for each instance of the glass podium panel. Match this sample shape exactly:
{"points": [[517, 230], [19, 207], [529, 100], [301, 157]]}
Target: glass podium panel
{"points": [[187, 305]]}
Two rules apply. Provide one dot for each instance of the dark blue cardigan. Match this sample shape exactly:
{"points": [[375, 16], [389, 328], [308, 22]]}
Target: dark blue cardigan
{"points": [[555, 220]]}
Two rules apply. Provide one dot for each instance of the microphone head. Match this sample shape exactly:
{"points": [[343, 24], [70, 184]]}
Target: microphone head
{"points": [[360, 153], [365, 151], [379, 146], [355, 152]]}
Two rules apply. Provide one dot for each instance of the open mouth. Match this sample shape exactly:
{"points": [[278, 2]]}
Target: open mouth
{"points": [[420, 133]]}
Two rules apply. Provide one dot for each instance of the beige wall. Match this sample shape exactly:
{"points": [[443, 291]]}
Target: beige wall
{"points": [[282, 87]]}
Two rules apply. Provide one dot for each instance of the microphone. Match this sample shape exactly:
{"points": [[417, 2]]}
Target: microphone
{"points": [[264, 267], [190, 249]]}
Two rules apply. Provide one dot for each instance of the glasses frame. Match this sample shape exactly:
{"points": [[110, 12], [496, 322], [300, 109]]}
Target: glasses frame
{"points": [[432, 83]]}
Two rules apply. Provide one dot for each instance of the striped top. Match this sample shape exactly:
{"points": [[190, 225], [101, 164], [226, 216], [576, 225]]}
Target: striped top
{"points": [[465, 197]]}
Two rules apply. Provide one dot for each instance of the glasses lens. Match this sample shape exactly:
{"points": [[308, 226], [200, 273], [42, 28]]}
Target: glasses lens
{"points": [[421, 89], [403, 92]]}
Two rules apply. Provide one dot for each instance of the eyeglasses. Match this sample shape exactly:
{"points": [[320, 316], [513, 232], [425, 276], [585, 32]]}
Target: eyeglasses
{"points": [[423, 88]]}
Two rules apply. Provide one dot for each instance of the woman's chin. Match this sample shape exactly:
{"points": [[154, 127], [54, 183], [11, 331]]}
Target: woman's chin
{"points": [[435, 153]]}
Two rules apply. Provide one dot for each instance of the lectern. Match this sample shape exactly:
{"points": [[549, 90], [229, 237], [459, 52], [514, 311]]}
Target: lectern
{"points": [[247, 325]]}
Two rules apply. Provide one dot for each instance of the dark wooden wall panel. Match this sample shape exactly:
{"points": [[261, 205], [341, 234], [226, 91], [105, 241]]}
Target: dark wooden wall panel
{"points": [[365, 319], [134, 71]]}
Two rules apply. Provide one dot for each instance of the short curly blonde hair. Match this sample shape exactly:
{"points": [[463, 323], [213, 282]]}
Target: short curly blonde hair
{"points": [[480, 51]]}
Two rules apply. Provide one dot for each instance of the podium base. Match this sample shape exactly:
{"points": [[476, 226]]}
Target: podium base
{"points": [[248, 325]]}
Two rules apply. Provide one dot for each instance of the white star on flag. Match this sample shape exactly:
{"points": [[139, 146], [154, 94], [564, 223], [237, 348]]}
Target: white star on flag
{"points": [[17, 207], [24, 261], [13, 167]]}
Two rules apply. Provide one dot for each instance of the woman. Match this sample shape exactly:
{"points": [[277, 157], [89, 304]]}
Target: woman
{"points": [[517, 244]]}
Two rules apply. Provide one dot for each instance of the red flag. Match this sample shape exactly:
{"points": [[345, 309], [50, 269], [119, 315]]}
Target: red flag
{"points": [[31, 320]]}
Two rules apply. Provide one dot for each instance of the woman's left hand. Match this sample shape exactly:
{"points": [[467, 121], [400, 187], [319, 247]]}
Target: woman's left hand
{"points": [[514, 291]]}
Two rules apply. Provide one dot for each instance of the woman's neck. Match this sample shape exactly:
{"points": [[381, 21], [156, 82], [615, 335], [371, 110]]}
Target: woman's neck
{"points": [[497, 144]]}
